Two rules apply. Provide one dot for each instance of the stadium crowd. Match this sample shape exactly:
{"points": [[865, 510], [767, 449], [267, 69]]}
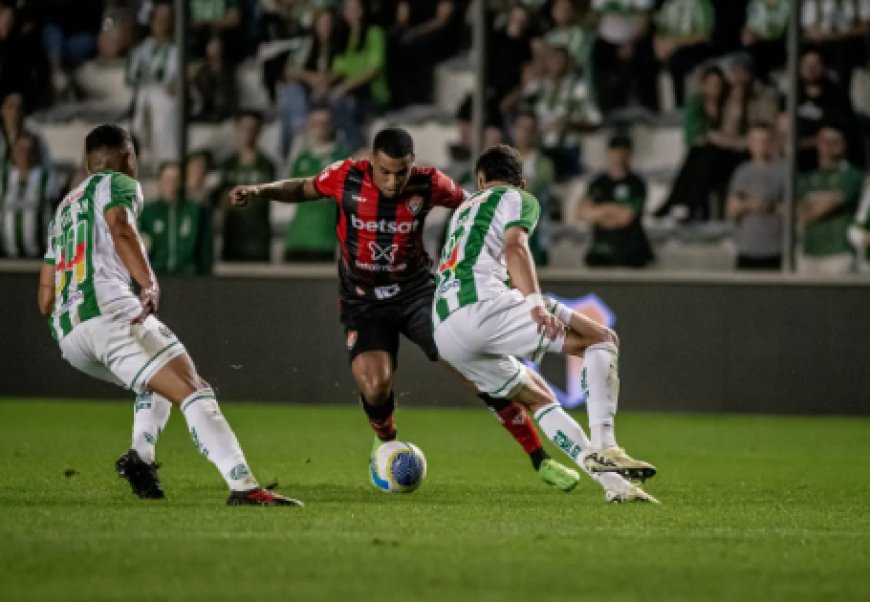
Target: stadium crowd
{"points": [[558, 72]]}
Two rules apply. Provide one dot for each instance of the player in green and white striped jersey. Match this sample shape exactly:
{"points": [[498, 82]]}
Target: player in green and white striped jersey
{"points": [[105, 331], [488, 311]]}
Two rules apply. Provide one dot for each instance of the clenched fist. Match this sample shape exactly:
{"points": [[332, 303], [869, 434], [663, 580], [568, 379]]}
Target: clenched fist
{"points": [[240, 194]]}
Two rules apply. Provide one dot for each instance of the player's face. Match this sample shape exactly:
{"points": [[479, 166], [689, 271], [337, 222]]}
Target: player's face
{"points": [[713, 85], [811, 69], [323, 27], [130, 165], [13, 109], [524, 131], [248, 129], [390, 175], [170, 182], [319, 127], [25, 153], [831, 145], [618, 157], [161, 21], [759, 141], [197, 170], [353, 11]]}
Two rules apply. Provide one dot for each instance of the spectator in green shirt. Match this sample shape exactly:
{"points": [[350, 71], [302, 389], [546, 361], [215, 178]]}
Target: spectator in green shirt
{"points": [[358, 71], [247, 232], [828, 199], [614, 205], [684, 29], [703, 111], [311, 234], [177, 232]]}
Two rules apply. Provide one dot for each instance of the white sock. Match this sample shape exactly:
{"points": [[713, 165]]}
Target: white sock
{"points": [[215, 439], [569, 437], [600, 383], [563, 431], [150, 413]]}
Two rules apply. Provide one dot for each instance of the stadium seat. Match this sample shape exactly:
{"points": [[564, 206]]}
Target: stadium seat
{"points": [[454, 81], [104, 86]]}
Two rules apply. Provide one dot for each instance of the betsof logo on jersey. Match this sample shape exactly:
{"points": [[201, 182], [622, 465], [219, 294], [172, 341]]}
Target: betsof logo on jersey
{"points": [[415, 204], [383, 252], [383, 226]]}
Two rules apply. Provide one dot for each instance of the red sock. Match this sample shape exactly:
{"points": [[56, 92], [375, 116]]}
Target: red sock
{"points": [[381, 417], [516, 420], [385, 429]]}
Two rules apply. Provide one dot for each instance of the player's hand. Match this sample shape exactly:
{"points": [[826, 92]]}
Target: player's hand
{"points": [[150, 299], [240, 194], [547, 323]]}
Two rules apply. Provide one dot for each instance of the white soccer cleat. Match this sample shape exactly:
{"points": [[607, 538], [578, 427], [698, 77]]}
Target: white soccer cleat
{"points": [[630, 495], [614, 459]]}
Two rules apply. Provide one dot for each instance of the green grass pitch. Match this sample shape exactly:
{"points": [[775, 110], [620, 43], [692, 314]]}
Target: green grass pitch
{"points": [[754, 508]]}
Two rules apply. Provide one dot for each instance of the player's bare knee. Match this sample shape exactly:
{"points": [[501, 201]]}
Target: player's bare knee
{"points": [[374, 388]]}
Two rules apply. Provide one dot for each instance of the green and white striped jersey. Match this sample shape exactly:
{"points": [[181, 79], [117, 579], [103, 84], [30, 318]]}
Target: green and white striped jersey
{"points": [[472, 266], [768, 19], [90, 278], [683, 18]]}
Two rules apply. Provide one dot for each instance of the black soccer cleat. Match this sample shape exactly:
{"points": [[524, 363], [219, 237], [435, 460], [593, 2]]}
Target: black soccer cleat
{"points": [[260, 497], [142, 476]]}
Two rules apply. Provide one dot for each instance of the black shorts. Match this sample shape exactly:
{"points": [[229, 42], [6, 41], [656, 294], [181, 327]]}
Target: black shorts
{"points": [[376, 325]]}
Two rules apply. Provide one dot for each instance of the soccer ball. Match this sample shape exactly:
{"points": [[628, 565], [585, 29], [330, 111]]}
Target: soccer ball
{"points": [[397, 467]]}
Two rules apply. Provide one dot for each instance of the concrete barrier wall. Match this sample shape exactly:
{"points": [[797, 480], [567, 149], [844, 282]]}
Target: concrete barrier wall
{"points": [[716, 345]]}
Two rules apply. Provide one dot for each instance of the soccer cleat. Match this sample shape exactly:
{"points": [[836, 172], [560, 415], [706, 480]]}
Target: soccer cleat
{"points": [[260, 497], [614, 459], [562, 477], [142, 476], [632, 494]]}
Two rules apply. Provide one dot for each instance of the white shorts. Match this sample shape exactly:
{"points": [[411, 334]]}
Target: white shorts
{"points": [[112, 349], [483, 341]]}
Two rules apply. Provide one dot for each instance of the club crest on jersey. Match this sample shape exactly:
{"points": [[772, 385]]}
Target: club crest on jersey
{"points": [[352, 336], [415, 204]]}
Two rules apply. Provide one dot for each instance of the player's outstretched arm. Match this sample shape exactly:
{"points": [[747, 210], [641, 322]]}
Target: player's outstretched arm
{"points": [[524, 278], [294, 190], [131, 251], [45, 297]]}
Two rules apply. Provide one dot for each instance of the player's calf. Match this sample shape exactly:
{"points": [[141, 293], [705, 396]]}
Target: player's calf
{"points": [[372, 373], [209, 430]]}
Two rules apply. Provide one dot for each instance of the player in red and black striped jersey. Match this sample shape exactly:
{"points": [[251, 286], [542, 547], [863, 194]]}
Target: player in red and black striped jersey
{"points": [[386, 286]]}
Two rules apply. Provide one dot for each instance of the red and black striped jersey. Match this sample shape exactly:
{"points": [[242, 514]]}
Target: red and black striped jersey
{"points": [[381, 239]]}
